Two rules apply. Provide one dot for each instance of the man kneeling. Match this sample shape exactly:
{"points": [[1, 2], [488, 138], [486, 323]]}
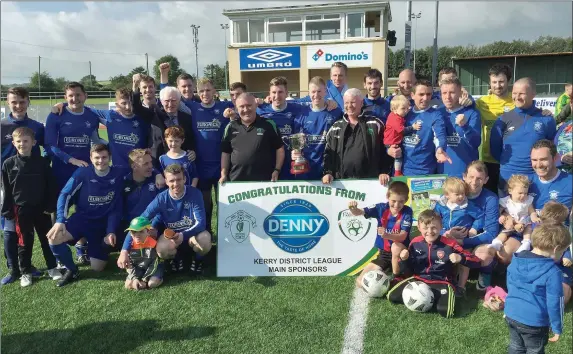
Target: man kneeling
{"points": [[181, 209]]}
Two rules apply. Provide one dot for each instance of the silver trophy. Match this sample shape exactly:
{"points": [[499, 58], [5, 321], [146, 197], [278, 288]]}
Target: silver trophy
{"points": [[298, 142]]}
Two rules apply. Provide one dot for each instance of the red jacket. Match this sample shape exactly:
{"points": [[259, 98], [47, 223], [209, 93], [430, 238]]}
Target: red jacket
{"points": [[394, 131]]}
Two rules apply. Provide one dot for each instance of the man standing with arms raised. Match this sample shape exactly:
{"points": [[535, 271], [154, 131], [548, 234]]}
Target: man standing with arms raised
{"points": [[252, 148]]}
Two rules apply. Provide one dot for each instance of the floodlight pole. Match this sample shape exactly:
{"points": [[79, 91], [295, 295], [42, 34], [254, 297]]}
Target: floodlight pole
{"points": [[196, 43]]}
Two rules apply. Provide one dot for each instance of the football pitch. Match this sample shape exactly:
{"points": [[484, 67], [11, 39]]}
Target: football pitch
{"points": [[238, 315]]}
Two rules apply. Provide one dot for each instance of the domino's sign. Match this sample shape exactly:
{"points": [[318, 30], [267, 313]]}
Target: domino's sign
{"points": [[269, 58], [355, 55]]}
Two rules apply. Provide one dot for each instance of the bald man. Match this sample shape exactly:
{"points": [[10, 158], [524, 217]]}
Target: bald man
{"points": [[514, 133], [406, 81], [252, 147]]}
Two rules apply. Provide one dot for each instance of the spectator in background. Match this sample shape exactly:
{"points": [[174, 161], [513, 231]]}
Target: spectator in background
{"points": [[564, 114], [564, 99], [564, 142]]}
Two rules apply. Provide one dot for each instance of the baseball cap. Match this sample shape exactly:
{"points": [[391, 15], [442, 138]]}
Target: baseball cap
{"points": [[139, 223]]}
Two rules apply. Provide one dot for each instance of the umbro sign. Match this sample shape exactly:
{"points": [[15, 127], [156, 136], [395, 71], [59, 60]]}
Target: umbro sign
{"points": [[269, 58]]}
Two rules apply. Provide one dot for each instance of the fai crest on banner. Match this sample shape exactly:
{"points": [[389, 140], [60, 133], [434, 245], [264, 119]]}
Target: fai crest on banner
{"points": [[239, 225], [354, 228]]}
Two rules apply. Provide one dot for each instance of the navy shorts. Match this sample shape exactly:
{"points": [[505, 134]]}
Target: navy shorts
{"points": [[94, 232], [567, 274]]}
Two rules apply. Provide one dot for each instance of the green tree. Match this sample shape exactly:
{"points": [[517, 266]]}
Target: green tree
{"points": [[43, 82], [88, 80], [137, 70], [215, 73], [60, 83], [173, 72], [119, 81]]}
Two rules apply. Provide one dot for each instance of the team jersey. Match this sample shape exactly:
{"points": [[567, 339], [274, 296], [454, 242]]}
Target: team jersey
{"points": [[463, 142], [419, 153], [185, 215], [467, 215], [513, 136], [488, 202], [490, 108], [137, 196], [7, 127], [189, 168], [557, 189], [378, 107], [392, 224], [315, 125], [124, 134], [209, 126], [95, 197], [284, 120]]}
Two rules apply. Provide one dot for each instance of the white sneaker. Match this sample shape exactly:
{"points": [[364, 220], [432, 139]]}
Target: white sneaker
{"points": [[26, 280], [55, 274]]}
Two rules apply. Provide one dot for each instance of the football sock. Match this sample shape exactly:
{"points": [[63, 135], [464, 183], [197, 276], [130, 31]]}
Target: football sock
{"points": [[64, 255]]}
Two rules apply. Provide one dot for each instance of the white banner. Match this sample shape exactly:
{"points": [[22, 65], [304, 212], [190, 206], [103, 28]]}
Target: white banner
{"points": [[540, 102], [354, 55], [294, 228]]}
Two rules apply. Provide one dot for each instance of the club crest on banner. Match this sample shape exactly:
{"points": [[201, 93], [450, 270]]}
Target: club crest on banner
{"points": [[354, 228], [239, 225]]}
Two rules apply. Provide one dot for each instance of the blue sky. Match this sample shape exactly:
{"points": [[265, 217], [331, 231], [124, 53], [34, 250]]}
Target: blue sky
{"points": [[160, 28]]}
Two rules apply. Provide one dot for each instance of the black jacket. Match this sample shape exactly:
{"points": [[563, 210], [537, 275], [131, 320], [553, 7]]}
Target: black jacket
{"points": [[375, 149], [157, 116], [28, 182]]}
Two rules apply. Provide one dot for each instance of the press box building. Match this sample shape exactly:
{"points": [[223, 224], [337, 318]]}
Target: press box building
{"points": [[300, 42]]}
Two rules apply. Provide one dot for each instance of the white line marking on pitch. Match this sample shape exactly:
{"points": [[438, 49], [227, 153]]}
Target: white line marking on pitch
{"points": [[357, 317]]}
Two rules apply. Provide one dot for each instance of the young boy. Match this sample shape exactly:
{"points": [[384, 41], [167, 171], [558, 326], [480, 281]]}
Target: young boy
{"points": [[175, 136], [30, 195], [456, 210], [395, 130], [555, 213], [145, 270], [535, 296], [431, 258], [394, 223]]}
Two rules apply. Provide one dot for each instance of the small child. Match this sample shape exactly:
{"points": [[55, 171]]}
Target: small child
{"points": [[456, 211], [519, 206], [30, 195], [395, 130], [394, 223], [535, 296], [431, 258], [555, 213], [174, 137], [144, 271]]}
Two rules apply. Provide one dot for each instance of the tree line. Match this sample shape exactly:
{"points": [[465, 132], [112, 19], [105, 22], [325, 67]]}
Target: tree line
{"points": [[215, 72]]}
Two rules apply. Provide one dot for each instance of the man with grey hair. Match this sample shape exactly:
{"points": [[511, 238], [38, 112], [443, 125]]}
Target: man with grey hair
{"points": [[163, 117], [252, 147], [354, 146], [514, 133]]}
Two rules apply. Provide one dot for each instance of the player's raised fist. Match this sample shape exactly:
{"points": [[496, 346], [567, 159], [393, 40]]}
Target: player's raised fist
{"points": [[164, 67]]}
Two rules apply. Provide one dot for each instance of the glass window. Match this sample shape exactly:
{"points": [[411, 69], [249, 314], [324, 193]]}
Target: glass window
{"points": [[285, 32], [240, 31], [354, 25], [313, 17], [257, 30], [293, 19], [331, 16], [276, 19], [322, 30]]}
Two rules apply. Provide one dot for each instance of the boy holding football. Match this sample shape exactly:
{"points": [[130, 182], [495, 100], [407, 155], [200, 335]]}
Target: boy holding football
{"points": [[431, 258], [394, 223]]}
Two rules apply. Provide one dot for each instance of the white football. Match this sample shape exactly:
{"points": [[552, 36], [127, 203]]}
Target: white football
{"points": [[375, 283], [418, 296]]}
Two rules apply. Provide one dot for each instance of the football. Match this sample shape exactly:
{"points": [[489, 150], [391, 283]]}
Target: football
{"points": [[418, 296], [375, 283]]}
